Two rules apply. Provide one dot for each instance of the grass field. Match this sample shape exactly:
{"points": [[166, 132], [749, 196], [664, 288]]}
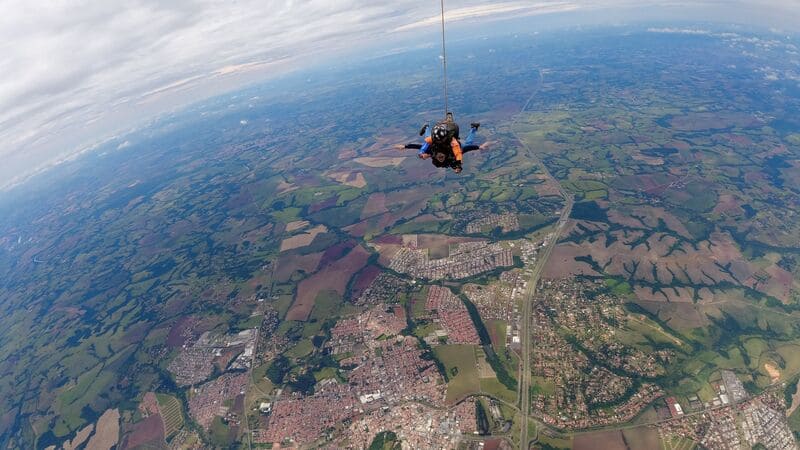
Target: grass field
{"points": [[461, 365], [171, 412], [497, 389], [794, 421], [642, 438], [542, 385], [555, 442], [677, 443], [303, 348], [497, 331]]}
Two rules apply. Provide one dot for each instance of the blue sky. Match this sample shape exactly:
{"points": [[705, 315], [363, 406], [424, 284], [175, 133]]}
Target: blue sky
{"points": [[76, 72]]}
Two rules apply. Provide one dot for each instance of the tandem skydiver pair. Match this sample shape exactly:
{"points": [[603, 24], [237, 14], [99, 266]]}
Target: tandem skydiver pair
{"points": [[442, 143]]}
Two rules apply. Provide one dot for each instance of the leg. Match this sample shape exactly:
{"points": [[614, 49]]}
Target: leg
{"points": [[471, 136]]}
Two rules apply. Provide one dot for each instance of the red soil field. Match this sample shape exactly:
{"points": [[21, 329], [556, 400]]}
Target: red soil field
{"points": [[608, 440], [334, 276], [288, 263], [325, 204], [149, 430], [364, 279], [336, 252], [176, 336], [376, 204], [390, 239]]}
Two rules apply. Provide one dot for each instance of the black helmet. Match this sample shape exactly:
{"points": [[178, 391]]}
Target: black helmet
{"points": [[440, 133]]}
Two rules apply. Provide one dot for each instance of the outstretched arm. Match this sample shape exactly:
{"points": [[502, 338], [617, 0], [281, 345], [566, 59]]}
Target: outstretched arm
{"points": [[470, 148]]}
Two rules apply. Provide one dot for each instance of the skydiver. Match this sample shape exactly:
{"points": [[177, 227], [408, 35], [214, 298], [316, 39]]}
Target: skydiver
{"points": [[443, 145]]}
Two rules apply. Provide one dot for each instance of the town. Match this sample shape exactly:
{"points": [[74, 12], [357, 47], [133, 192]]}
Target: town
{"points": [[582, 378], [465, 260], [734, 424]]}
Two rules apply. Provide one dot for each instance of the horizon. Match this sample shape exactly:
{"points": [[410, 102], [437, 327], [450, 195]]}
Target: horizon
{"points": [[46, 122]]}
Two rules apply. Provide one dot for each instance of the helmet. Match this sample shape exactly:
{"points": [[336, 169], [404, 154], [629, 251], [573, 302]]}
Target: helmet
{"points": [[439, 133]]}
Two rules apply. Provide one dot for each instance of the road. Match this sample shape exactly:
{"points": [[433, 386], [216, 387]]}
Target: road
{"points": [[526, 319], [527, 301]]}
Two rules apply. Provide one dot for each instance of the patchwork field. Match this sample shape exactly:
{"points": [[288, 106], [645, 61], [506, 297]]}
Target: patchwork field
{"points": [[333, 277]]}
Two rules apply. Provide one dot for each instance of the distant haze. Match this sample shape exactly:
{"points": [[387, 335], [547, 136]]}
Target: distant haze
{"points": [[76, 73]]}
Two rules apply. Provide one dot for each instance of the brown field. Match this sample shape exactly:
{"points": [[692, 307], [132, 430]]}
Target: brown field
{"points": [[375, 161], [334, 276], [149, 404], [354, 179], [80, 437], [497, 340], [713, 121], [625, 219], [671, 295], [652, 183], [358, 229], [284, 187], [148, 430], [325, 204], [180, 333], [562, 263], [607, 440], [181, 228], [389, 239], [386, 252], [336, 252], [403, 204], [302, 240], [364, 279], [680, 316], [376, 204], [651, 160], [287, 264], [484, 368], [226, 356], [652, 265], [106, 434], [650, 216], [778, 283], [347, 153], [437, 240], [641, 438], [774, 373], [387, 144], [296, 225], [727, 204], [258, 233]]}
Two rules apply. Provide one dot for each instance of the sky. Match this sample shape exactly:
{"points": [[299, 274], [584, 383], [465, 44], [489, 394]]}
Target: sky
{"points": [[77, 72]]}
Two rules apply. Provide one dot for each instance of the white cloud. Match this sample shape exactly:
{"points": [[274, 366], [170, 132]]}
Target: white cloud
{"points": [[74, 70]]}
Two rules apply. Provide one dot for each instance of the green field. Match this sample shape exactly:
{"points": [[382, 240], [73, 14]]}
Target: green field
{"points": [[497, 389], [461, 366], [171, 413], [677, 443]]}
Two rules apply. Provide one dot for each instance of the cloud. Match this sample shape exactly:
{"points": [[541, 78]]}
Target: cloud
{"points": [[494, 9], [72, 70], [77, 71]]}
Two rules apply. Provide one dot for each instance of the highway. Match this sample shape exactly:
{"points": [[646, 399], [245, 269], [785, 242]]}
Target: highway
{"points": [[526, 318]]}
